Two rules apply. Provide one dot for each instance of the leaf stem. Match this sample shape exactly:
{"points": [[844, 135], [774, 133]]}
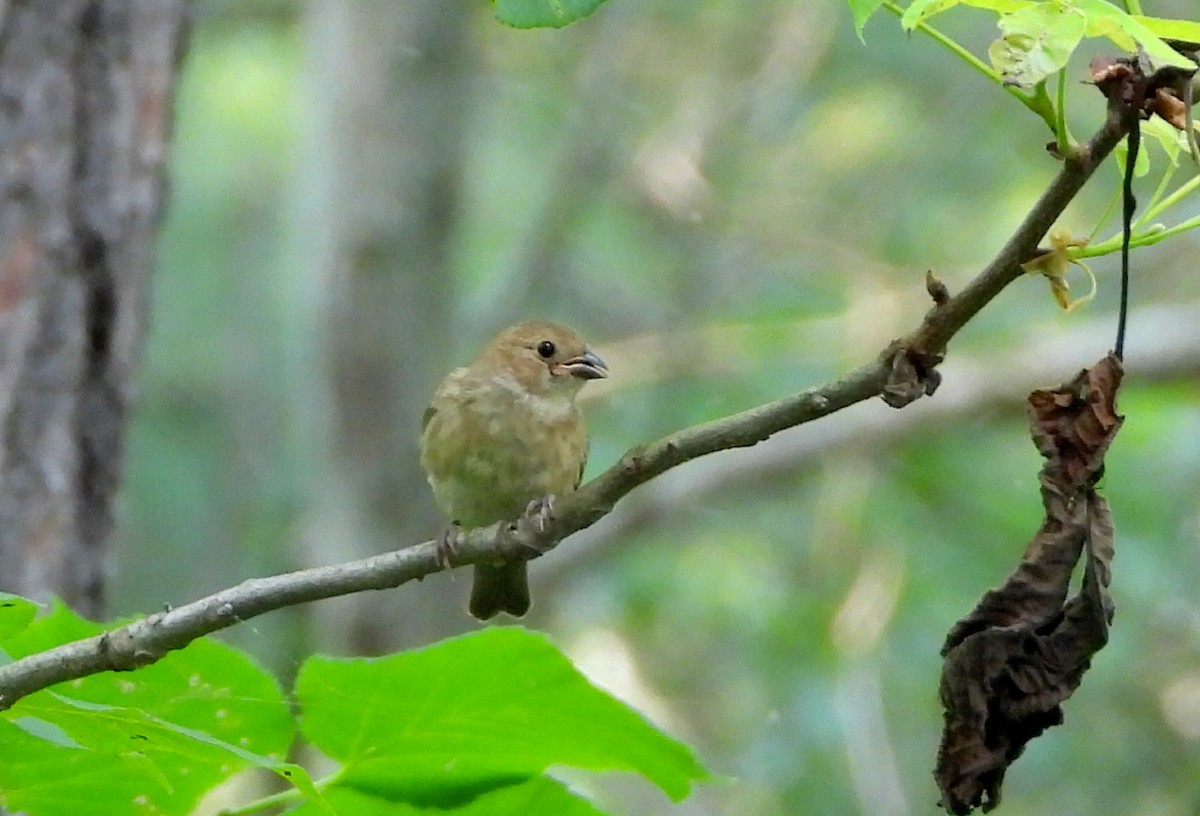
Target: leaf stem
{"points": [[1186, 189], [290, 795], [1066, 145], [1108, 211], [1158, 194], [1148, 238], [1133, 7], [284, 797], [1030, 101]]}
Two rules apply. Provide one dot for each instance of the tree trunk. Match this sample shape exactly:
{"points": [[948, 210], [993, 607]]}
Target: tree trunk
{"points": [[85, 113]]}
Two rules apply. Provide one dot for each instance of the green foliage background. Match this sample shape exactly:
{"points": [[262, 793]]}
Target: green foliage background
{"points": [[770, 193]]}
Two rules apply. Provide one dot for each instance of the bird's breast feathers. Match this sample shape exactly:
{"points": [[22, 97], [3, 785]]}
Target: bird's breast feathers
{"points": [[490, 446]]}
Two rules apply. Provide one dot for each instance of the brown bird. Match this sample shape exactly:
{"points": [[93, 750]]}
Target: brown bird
{"points": [[503, 436]]}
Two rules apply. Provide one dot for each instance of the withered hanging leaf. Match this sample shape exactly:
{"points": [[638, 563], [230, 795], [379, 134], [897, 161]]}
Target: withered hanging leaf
{"points": [[1038, 587], [1102, 540], [1073, 426], [1021, 652]]}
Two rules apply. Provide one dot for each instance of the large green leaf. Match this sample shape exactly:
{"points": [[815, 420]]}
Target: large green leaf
{"points": [[207, 686], [543, 13], [154, 740], [539, 796], [58, 626], [42, 776], [1186, 30], [101, 753], [444, 724], [15, 613], [1036, 42]]}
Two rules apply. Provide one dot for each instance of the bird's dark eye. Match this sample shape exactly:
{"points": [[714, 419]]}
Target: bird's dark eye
{"points": [[546, 349]]}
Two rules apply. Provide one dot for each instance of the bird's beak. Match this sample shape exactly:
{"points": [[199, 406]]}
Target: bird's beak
{"points": [[586, 366]]}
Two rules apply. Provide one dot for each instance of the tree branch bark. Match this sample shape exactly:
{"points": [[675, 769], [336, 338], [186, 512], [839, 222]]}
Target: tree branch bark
{"points": [[1163, 348], [145, 641]]}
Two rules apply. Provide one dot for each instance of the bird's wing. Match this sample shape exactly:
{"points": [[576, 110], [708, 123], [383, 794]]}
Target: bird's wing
{"points": [[425, 417], [582, 465]]}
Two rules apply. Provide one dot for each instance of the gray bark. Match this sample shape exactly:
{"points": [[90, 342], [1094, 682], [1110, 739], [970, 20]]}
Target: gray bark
{"points": [[85, 113]]}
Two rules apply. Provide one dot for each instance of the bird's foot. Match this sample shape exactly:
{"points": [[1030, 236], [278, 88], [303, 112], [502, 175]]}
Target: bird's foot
{"points": [[447, 545], [540, 512], [537, 516]]}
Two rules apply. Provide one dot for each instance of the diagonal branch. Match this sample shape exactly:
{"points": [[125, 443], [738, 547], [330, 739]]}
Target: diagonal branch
{"points": [[147, 640], [1165, 347]]}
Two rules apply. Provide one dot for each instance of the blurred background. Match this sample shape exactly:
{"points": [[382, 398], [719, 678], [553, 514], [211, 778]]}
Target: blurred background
{"points": [[733, 202]]}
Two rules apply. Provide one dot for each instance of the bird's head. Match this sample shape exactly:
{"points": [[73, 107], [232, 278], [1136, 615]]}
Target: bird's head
{"points": [[544, 358]]}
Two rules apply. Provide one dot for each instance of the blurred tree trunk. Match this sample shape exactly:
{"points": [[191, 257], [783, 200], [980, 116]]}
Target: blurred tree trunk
{"points": [[85, 113], [391, 89]]}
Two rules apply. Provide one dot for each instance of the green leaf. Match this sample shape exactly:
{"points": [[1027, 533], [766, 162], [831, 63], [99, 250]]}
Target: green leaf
{"points": [[1106, 20], [1167, 136], [47, 779], [543, 13], [15, 613], [208, 686], [1185, 30], [60, 625], [1036, 42], [159, 737], [444, 724], [1154, 131], [535, 797], [86, 758], [103, 760], [862, 11], [919, 11], [45, 730], [1000, 6]]}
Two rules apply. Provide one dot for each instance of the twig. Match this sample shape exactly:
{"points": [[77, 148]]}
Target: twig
{"points": [[1165, 347], [147, 640]]}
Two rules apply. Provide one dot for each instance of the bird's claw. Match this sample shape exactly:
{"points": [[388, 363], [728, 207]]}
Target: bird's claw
{"points": [[447, 546], [537, 516], [540, 512]]}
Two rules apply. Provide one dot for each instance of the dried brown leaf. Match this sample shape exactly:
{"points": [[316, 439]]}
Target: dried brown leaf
{"points": [[1038, 587], [1074, 424], [1023, 650], [1170, 107]]}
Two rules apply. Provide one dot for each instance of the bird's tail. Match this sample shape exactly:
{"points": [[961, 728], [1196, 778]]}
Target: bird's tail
{"points": [[500, 588]]}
